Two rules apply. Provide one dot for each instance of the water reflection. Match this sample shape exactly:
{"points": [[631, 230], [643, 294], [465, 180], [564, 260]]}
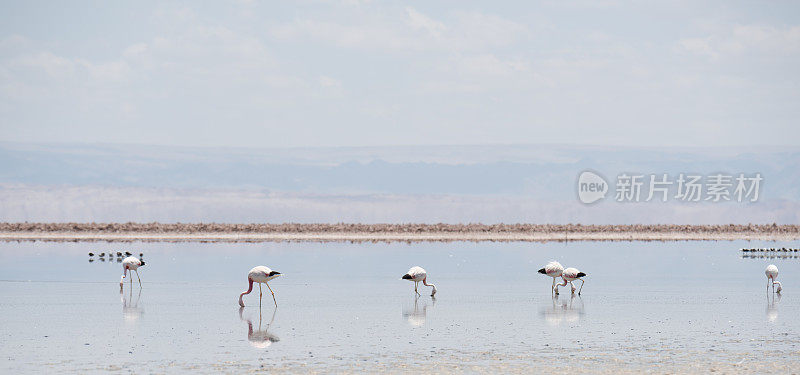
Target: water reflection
{"points": [[770, 256], [416, 317], [260, 338], [559, 311], [130, 306], [772, 306]]}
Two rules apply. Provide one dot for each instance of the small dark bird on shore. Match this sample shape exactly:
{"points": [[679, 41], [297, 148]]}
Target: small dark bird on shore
{"points": [[119, 254], [128, 253], [91, 254], [102, 254], [141, 255]]}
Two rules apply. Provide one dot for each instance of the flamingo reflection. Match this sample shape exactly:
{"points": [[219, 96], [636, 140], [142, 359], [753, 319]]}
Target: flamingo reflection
{"points": [[260, 338], [130, 306], [772, 306], [564, 311], [416, 317]]}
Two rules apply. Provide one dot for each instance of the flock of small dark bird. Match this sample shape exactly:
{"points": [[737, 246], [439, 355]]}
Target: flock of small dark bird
{"points": [[771, 249], [120, 255], [771, 253]]}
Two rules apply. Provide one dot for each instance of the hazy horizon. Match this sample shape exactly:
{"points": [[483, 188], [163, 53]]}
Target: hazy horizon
{"points": [[490, 184]]}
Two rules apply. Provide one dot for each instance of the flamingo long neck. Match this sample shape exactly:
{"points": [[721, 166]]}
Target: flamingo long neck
{"points": [[425, 282], [249, 289], [122, 278]]}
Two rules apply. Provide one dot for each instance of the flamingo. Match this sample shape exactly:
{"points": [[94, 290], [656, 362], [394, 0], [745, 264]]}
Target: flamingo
{"points": [[417, 274], [554, 270], [260, 275], [772, 274], [130, 264], [569, 275]]}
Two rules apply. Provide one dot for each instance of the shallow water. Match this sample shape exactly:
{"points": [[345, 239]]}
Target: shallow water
{"points": [[643, 302]]}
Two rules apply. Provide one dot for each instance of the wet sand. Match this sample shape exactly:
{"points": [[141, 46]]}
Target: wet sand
{"points": [[579, 362], [127, 232]]}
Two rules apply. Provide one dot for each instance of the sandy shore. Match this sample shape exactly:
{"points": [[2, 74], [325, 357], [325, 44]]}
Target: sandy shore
{"points": [[128, 232]]}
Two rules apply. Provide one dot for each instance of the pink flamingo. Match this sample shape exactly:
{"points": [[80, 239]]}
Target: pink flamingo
{"points": [[417, 274], [568, 276], [260, 275], [554, 270], [772, 274], [132, 264]]}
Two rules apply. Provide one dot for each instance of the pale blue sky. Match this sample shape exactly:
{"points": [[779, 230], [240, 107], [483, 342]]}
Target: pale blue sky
{"points": [[361, 73]]}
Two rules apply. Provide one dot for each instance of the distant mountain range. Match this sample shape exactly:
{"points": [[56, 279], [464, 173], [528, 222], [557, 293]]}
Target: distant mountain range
{"points": [[40, 182]]}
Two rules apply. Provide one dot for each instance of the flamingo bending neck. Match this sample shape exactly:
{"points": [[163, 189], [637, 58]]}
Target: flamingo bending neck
{"points": [[425, 282], [249, 289]]}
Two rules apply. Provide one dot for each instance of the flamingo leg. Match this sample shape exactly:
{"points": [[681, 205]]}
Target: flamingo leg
{"points": [[259, 296], [137, 277], [768, 282], [553, 288], [416, 284], [579, 290], [273, 295]]}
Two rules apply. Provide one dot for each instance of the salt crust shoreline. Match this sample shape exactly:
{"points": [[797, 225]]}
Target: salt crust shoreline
{"points": [[344, 232]]}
